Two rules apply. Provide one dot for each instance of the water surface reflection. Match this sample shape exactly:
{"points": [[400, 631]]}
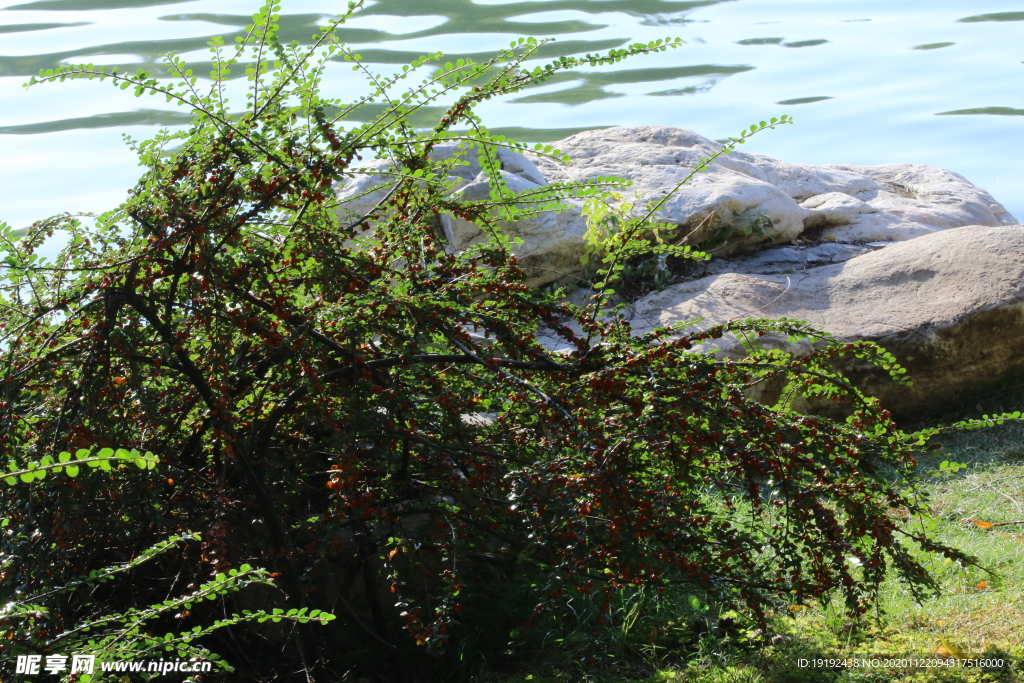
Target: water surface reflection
{"points": [[869, 81]]}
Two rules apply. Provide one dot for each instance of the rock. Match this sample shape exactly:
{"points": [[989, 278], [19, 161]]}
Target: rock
{"points": [[909, 200], [363, 190], [835, 208], [948, 305], [787, 259], [719, 207], [743, 202], [369, 183], [833, 253], [748, 200], [552, 242]]}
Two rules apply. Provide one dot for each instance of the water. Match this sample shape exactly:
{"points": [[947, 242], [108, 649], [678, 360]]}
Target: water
{"points": [[925, 81]]}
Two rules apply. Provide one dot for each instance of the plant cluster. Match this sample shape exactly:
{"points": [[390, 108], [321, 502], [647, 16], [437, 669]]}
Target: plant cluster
{"points": [[372, 418]]}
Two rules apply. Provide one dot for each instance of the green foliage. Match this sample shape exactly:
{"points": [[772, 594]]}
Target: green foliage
{"points": [[335, 395], [948, 467], [30, 627], [64, 463]]}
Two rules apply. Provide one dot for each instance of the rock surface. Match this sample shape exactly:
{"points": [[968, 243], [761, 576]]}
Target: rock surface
{"points": [[552, 242], [791, 258], [744, 200], [949, 305]]}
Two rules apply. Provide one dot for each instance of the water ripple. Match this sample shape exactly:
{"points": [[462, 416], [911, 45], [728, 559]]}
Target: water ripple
{"points": [[908, 81]]}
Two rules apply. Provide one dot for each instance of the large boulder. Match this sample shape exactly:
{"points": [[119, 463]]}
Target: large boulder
{"points": [[915, 258], [743, 200], [742, 203], [949, 305]]}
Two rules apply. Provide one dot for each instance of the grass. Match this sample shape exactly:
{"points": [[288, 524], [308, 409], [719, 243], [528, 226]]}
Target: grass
{"points": [[977, 613]]}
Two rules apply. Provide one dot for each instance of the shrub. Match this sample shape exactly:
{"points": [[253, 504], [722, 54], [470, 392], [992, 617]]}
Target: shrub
{"points": [[32, 629], [372, 417]]}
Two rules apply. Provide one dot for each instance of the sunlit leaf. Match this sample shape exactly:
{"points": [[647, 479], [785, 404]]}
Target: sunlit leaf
{"points": [[949, 650]]}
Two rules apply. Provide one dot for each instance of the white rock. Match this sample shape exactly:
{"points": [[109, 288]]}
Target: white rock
{"points": [[552, 242], [361, 192], [909, 201], [369, 182], [723, 204], [750, 199]]}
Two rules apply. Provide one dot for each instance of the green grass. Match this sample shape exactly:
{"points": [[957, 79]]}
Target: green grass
{"points": [[978, 509]]}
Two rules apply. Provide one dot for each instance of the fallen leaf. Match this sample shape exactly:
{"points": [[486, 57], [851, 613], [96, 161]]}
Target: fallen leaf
{"points": [[982, 586], [948, 649], [980, 524]]}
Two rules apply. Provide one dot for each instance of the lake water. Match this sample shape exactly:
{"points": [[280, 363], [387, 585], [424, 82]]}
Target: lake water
{"points": [[869, 81]]}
